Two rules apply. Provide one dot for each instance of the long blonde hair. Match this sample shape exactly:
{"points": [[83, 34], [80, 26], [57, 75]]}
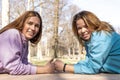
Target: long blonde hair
{"points": [[19, 24]]}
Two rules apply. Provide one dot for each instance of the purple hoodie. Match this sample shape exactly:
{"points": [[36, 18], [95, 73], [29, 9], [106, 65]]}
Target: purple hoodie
{"points": [[13, 54]]}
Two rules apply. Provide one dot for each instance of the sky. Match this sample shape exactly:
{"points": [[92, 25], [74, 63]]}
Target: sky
{"points": [[106, 10]]}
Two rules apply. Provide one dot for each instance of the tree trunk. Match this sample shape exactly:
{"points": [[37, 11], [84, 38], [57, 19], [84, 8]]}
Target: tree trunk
{"points": [[5, 12], [32, 49], [56, 22], [29, 3], [39, 52]]}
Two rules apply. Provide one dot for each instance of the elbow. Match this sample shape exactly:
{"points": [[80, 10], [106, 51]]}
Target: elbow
{"points": [[17, 70]]}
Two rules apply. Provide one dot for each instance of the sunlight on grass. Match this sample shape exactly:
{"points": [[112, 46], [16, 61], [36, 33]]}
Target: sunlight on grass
{"points": [[43, 62]]}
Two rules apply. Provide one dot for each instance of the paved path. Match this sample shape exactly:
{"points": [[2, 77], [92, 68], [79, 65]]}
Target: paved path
{"points": [[61, 76]]}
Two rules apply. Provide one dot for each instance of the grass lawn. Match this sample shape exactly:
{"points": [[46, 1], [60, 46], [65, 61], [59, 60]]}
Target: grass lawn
{"points": [[43, 62]]}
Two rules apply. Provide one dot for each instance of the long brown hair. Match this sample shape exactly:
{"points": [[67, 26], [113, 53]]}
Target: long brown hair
{"points": [[92, 22], [19, 24]]}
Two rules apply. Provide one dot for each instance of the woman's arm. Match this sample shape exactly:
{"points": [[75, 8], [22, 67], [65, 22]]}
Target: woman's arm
{"points": [[48, 68], [98, 51], [10, 54]]}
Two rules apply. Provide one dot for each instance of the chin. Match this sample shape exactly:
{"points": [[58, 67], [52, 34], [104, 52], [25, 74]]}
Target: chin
{"points": [[85, 39], [29, 38]]}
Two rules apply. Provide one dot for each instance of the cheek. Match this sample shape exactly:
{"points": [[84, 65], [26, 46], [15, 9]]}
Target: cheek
{"points": [[90, 32], [25, 28], [79, 32], [37, 30]]}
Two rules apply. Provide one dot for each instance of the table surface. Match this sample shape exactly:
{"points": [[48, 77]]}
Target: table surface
{"points": [[61, 76]]}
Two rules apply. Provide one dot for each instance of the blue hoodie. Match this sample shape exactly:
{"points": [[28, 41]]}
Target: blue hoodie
{"points": [[102, 54]]}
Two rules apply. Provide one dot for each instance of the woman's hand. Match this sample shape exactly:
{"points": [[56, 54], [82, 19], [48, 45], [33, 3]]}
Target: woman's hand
{"points": [[59, 65], [62, 67], [48, 68]]}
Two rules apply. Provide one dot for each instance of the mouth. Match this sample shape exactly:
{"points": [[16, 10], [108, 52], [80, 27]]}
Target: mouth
{"points": [[85, 36], [31, 33]]}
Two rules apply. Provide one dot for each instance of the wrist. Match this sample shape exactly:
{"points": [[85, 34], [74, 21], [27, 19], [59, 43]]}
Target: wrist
{"points": [[64, 67], [41, 69]]}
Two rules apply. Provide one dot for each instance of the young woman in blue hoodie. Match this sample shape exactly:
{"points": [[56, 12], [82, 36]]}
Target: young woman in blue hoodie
{"points": [[101, 42]]}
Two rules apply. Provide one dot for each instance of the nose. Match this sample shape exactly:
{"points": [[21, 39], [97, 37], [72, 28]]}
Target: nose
{"points": [[83, 30], [33, 27]]}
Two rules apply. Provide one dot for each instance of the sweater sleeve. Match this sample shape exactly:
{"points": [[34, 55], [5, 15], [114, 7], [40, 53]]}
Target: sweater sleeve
{"points": [[98, 51], [10, 54]]}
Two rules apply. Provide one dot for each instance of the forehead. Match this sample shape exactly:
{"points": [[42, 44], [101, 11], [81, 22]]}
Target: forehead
{"points": [[80, 23], [33, 19]]}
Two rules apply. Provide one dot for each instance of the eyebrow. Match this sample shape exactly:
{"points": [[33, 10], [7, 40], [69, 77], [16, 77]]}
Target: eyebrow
{"points": [[33, 22]]}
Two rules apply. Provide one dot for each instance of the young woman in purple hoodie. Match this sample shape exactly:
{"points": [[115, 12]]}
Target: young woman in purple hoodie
{"points": [[14, 39]]}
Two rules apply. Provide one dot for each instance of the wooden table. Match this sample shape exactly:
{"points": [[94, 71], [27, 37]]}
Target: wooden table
{"points": [[61, 76]]}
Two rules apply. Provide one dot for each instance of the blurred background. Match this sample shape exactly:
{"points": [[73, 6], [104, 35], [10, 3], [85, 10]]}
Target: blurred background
{"points": [[58, 40]]}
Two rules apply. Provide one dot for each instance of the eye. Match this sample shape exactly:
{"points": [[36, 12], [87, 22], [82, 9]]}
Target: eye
{"points": [[37, 25], [79, 28], [30, 23]]}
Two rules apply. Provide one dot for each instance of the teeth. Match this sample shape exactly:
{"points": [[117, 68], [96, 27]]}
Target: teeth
{"points": [[29, 30]]}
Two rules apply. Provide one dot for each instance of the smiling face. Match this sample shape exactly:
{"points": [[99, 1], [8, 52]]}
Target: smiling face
{"points": [[31, 27], [83, 31]]}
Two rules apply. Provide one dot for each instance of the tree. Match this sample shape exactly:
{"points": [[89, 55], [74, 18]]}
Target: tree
{"points": [[56, 23], [5, 12], [57, 37]]}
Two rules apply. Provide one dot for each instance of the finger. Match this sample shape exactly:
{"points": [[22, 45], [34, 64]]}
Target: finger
{"points": [[51, 60], [54, 59]]}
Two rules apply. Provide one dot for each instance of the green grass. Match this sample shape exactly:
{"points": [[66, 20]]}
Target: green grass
{"points": [[43, 62]]}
